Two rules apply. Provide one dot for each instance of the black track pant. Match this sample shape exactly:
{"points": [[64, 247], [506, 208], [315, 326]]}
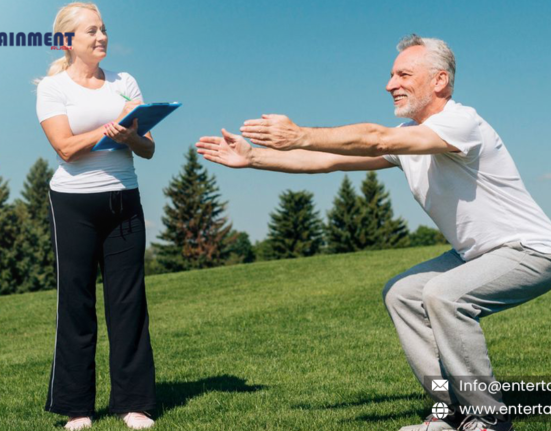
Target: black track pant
{"points": [[108, 228]]}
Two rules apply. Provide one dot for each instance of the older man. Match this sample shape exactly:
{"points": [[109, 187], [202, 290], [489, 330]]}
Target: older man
{"points": [[460, 172]]}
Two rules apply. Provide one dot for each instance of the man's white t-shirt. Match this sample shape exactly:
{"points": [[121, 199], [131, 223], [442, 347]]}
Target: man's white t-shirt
{"points": [[87, 109], [476, 197]]}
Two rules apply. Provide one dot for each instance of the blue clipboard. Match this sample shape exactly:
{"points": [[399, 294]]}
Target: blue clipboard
{"points": [[148, 115]]}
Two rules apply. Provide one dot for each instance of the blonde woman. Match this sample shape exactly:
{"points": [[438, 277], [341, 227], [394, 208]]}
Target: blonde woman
{"points": [[96, 217]]}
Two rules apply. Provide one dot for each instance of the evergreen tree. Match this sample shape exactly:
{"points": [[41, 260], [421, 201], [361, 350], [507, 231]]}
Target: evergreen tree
{"points": [[197, 234], [9, 228], [342, 230], [295, 229], [378, 228], [36, 189], [425, 235], [37, 261]]}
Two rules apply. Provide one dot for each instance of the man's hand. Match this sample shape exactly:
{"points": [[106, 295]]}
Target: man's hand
{"points": [[274, 131], [230, 150]]}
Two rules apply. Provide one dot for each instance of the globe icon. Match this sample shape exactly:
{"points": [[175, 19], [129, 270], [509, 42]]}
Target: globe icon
{"points": [[440, 410]]}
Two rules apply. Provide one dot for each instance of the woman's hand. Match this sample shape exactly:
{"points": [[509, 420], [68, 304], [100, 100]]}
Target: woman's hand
{"points": [[122, 135], [127, 109], [231, 150], [143, 146]]}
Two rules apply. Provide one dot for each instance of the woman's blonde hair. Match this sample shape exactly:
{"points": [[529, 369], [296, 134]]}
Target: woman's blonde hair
{"points": [[66, 21]]}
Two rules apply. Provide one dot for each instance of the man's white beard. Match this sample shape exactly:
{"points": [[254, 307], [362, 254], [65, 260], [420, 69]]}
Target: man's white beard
{"points": [[412, 107]]}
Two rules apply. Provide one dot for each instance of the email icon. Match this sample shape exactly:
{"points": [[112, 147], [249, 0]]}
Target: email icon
{"points": [[440, 385]]}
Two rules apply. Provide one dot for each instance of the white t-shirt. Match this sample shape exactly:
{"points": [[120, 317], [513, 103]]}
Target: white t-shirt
{"points": [[86, 110], [476, 197]]}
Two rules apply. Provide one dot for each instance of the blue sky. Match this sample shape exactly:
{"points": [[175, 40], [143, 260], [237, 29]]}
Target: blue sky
{"points": [[322, 63]]}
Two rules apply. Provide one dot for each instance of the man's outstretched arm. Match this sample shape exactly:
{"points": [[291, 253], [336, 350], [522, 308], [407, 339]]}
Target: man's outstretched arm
{"points": [[364, 139], [233, 151]]}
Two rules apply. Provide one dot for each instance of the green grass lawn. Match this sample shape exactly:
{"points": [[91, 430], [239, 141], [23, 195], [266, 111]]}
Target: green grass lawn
{"points": [[285, 345]]}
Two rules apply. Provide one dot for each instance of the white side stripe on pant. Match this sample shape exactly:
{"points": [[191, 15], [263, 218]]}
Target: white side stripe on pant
{"points": [[57, 306]]}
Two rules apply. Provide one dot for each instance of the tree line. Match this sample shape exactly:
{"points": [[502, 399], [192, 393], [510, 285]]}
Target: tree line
{"points": [[26, 254], [197, 232]]}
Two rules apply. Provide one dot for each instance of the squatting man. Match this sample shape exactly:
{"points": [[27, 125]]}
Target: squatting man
{"points": [[462, 175]]}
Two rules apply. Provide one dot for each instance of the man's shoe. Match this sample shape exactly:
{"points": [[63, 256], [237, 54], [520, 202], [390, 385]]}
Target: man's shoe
{"points": [[136, 420], [75, 424], [474, 423], [432, 423]]}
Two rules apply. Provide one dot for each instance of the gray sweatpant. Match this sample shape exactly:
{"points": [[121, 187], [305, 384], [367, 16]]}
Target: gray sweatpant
{"points": [[436, 306]]}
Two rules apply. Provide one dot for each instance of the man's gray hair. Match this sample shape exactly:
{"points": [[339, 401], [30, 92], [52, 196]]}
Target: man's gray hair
{"points": [[439, 54]]}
